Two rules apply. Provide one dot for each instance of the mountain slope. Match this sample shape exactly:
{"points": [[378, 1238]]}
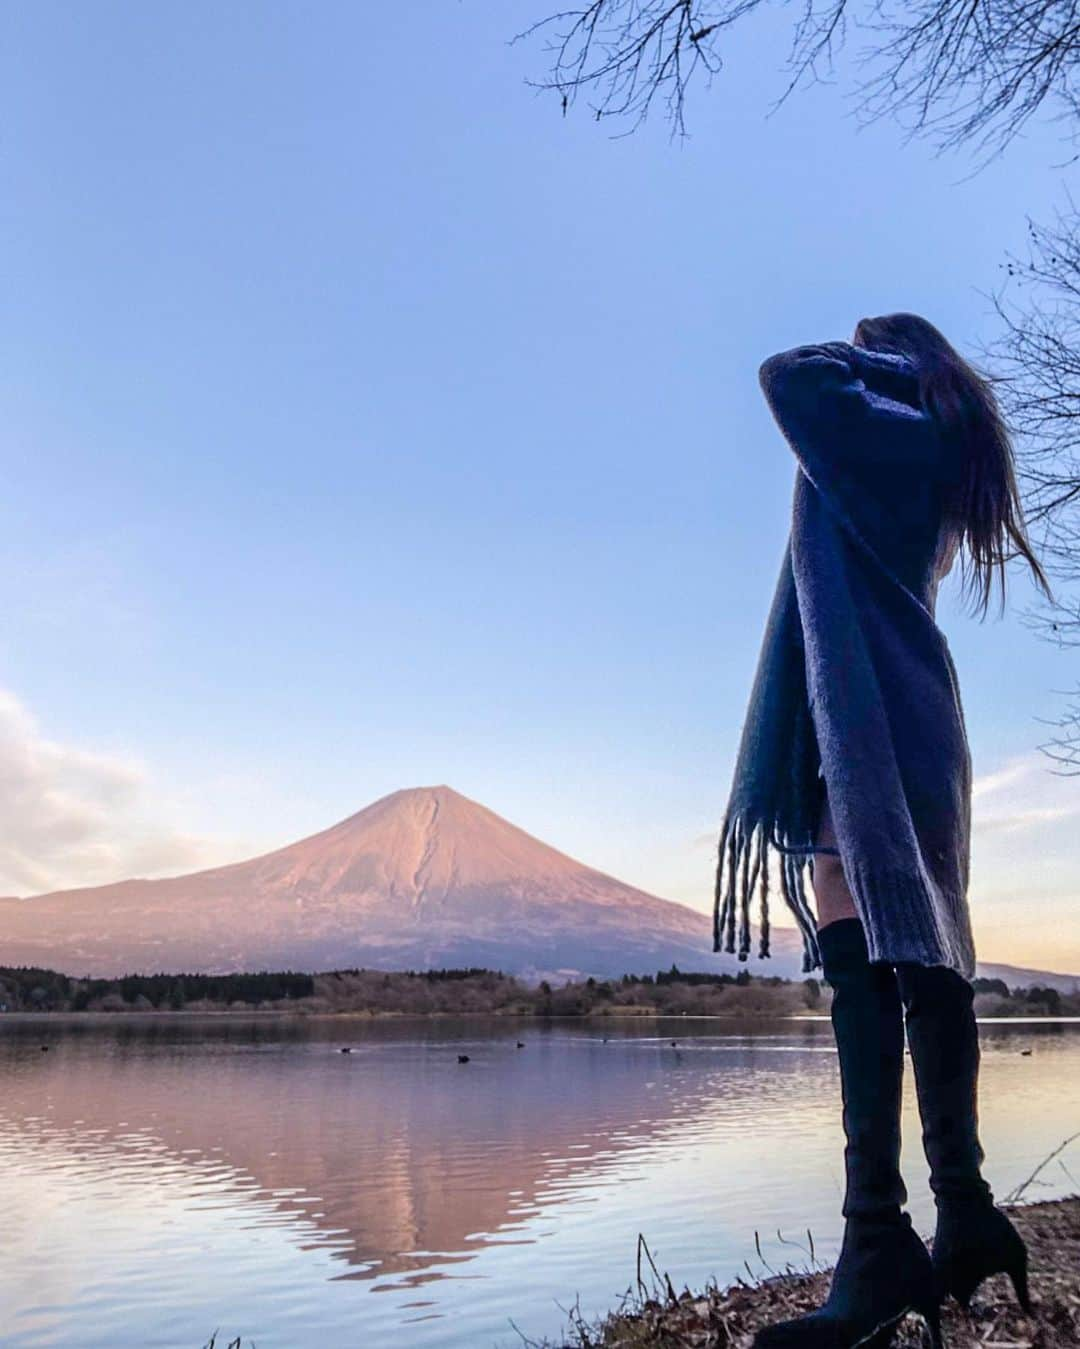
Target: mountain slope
{"points": [[421, 878]]}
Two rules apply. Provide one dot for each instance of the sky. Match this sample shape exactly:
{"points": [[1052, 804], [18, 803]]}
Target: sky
{"points": [[369, 424]]}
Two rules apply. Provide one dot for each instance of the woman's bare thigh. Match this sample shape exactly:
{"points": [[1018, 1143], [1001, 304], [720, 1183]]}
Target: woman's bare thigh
{"points": [[831, 893]]}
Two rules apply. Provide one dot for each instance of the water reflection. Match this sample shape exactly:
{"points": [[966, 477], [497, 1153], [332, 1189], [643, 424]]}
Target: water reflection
{"points": [[397, 1154], [399, 1167]]}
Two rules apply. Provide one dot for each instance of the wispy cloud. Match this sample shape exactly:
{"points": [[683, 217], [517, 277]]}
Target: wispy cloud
{"points": [[1025, 858], [72, 816], [1014, 771], [1022, 794]]}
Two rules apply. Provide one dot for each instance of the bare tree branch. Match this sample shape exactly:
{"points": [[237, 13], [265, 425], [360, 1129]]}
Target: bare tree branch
{"points": [[959, 70], [1038, 356], [964, 72], [633, 53]]}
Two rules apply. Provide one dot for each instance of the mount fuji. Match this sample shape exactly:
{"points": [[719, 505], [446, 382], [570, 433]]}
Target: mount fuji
{"points": [[421, 879]]}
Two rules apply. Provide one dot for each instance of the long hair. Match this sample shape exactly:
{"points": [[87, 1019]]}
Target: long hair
{"points": [[982, 509]]}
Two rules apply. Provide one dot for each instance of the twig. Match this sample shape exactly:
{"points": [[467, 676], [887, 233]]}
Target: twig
{"points": [[1014, 1195]]}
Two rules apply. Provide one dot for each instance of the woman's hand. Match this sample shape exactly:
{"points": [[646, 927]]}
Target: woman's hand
{"points": [[843, 351]]}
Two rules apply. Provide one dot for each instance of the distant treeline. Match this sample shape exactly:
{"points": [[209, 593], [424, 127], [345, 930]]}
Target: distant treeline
{"points": [[671, 992], [1034, 1000], [35, 990]]}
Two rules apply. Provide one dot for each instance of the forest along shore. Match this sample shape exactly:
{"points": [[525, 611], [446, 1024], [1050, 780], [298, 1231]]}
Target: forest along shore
{"points": [[458, 992], [660, 1318]]}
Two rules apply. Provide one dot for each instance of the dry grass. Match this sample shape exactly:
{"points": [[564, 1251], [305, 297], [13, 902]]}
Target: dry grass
{"points": [[728, 1318]]}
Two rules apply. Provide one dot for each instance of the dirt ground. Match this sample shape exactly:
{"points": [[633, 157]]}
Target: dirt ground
{"points": [[727, 1318]]}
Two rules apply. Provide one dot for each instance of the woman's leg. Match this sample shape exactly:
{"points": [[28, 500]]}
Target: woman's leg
{"points": [[883, 1269], [974, 1239], [868, 1024], [831, 893]]}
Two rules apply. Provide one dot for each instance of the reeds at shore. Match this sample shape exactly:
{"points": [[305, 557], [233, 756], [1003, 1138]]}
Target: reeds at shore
{"points": [[655, 1316]]}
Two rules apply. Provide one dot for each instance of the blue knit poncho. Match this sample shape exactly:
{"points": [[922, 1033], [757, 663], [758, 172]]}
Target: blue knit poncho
{"points": [[855, 691]]}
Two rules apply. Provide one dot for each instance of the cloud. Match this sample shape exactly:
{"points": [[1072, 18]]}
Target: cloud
{"points": [[1022, 795], [1014, 771], [1025, 857], [74, 817]]}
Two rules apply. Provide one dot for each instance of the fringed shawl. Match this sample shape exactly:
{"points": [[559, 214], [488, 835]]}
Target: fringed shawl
{"points": [[855, 690]]}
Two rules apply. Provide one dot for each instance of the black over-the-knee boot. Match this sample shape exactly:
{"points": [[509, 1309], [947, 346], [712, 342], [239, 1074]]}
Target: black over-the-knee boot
{"points": [[884, 1270], [973, 1239]]}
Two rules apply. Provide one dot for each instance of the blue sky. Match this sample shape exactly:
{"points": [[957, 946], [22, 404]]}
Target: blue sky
{"points": [[368, 424]]}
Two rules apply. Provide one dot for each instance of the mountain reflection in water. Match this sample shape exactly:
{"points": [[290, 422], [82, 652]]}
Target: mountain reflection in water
{"points": [[405, 1167]]}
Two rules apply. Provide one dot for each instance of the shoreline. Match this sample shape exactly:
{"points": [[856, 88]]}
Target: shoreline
{"points": [[495, 1014]]}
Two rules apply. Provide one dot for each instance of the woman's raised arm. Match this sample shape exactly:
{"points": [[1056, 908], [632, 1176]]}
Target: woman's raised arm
{"points": [[833, 418]]}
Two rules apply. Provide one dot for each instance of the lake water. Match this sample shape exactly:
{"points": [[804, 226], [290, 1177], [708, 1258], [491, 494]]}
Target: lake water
{"points": [[164, 1178]]}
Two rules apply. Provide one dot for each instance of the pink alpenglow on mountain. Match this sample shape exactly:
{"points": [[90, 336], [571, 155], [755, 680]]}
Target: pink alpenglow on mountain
{"points": [[423, 878]]}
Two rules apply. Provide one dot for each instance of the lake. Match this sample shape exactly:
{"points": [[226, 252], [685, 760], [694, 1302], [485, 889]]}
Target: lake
{"points": [[164, 1178]]}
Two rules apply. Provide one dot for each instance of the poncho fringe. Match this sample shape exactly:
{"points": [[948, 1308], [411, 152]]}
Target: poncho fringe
{"points": [[743, 862]]}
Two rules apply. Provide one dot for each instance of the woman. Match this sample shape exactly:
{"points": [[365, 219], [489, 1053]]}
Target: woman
{"points": [[854, 765]]}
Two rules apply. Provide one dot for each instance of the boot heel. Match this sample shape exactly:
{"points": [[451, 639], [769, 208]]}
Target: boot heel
{"points": [[1018, 1274], [931, 1314]]}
